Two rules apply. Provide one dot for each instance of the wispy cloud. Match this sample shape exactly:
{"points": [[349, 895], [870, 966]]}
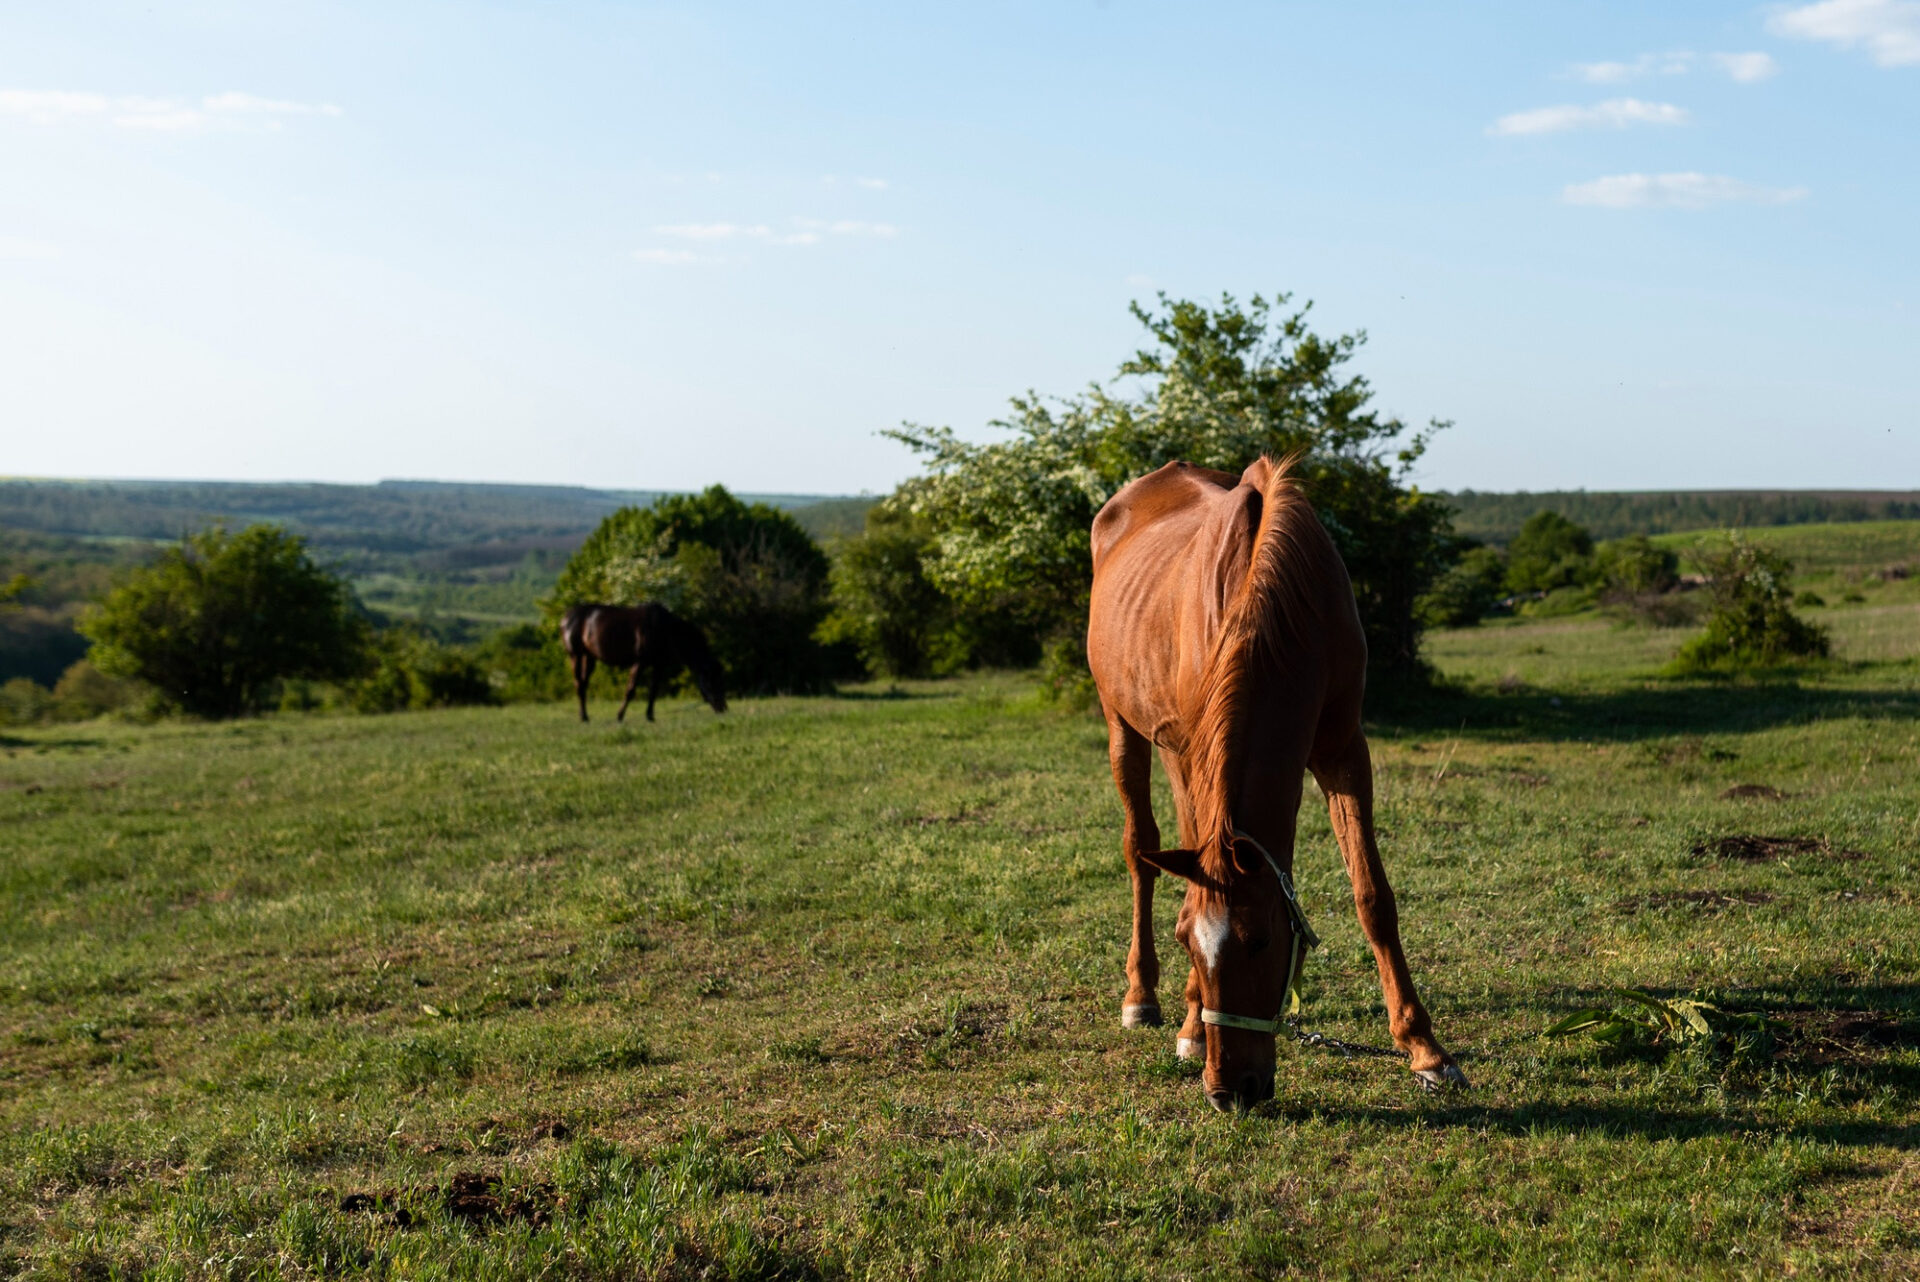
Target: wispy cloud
{"points": [[1615, 113], [872, 184], [714, 231], [805, 231], [21, 249], [1889, 30], [848, 227], [1747, 68], [1674, 191], [1647, 64], [671, 257], [231, 110]]}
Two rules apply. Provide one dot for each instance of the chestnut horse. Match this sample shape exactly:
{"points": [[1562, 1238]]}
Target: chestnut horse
{"points": [[647, 635], [1223, 631]]}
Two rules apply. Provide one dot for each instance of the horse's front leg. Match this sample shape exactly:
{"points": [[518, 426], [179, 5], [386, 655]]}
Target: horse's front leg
{"points": [[582, 677], [654, 685], [1346, 776], [1132, 761], [633, 681]]}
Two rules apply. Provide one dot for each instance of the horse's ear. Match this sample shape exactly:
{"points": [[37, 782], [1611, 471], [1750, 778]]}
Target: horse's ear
{"points": [[1184, 864]]}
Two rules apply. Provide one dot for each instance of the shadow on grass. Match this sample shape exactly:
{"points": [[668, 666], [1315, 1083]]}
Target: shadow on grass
{"points": [[1615, 1121], [9, 741], [1647, 711], [889, 694]]}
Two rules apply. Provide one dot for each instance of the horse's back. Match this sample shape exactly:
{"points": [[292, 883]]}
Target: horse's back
{"points": [[1170, 553]]}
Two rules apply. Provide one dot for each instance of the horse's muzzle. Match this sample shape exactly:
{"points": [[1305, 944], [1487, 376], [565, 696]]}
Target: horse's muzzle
{"points": [[1253, 1087]]}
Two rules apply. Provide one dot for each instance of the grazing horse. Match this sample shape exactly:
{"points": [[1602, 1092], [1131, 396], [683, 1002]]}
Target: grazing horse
{"points": [[1223, 631], [647, 635]]}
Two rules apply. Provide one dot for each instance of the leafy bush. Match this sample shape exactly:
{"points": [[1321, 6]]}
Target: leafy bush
{"points": [[24, 702], [1635, 566], [1011, 520], [1642, 1021], [746, 573], [218, 622], [1750, 623], [526, 664], [1468, 591], [84, 692], [884, 605], [1549, 552], [413, 671]]}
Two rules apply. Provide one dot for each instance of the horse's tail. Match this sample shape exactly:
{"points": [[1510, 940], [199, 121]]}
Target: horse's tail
{"points": [[1272, 619]]}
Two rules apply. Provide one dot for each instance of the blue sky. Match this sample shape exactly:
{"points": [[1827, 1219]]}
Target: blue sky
{"points": [[1620, 246]]}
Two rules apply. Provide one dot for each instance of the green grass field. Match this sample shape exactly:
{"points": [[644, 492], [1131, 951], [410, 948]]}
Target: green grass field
{"points": [[831, 988]]}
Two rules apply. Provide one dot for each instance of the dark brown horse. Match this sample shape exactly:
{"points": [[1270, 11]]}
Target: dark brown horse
{"points": [[1223, 631], [639, 636]]}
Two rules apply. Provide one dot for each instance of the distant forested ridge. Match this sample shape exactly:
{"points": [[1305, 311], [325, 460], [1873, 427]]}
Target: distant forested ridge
{"points": [[461, 557], [1497, 517], [392, 516]]}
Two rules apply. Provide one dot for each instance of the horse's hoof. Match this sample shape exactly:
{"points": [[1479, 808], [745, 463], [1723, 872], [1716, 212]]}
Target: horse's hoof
{"points": [[1447, 1077], [1189, 1048], [1142, 1016]]}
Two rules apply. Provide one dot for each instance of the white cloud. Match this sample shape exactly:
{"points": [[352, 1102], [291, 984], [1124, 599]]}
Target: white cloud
{"points": [[51, 107], [1674, 191], [19, 249], [808, 231], [1747, 68], [715, 231], [232, 110], [848, 227], [1647, 64], [872, 184], [1888, 29], [670, 257], [1616, 113]]}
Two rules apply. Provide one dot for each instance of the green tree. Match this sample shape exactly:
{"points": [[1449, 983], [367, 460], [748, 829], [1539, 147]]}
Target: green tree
{"points": [[1549, 552], [746, 573], [218, 622], [1468, 591], [1219, 387], [884, 604], [1750, 621], [1635, 566]]}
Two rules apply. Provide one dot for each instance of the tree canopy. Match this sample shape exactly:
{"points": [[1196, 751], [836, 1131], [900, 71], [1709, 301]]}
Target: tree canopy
{"points": [[216, 623], [1218, 387], [747, 573]]}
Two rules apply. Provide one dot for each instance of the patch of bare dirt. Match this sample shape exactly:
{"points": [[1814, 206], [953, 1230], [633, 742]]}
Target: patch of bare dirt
{"points": [[1839, 1036], [473, 1197], [1751, 848], [1752, 792]]}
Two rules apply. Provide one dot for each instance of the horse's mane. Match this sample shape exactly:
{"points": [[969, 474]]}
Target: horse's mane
{"points": [[1271, 620]]}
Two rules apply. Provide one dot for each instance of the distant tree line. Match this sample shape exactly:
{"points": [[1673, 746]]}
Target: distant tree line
{"points": [[1497, 518], [982, 558]]}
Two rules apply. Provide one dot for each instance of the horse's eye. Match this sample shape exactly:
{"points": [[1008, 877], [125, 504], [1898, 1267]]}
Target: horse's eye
{"points": [[1257, 946]]}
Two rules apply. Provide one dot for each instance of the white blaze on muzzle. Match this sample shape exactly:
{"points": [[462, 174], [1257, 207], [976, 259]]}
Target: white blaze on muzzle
{"points": [[1303, 939]]}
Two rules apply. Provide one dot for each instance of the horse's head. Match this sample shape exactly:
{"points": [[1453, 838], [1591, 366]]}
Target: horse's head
{"points": [[707, 672], [1240, 934]]}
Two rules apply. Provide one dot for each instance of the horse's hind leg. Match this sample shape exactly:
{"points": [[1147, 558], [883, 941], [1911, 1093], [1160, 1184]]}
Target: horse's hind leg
{"points": [[633, 683], [1346, 776], [654, 685], [582, 673], [1132, 760]]}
